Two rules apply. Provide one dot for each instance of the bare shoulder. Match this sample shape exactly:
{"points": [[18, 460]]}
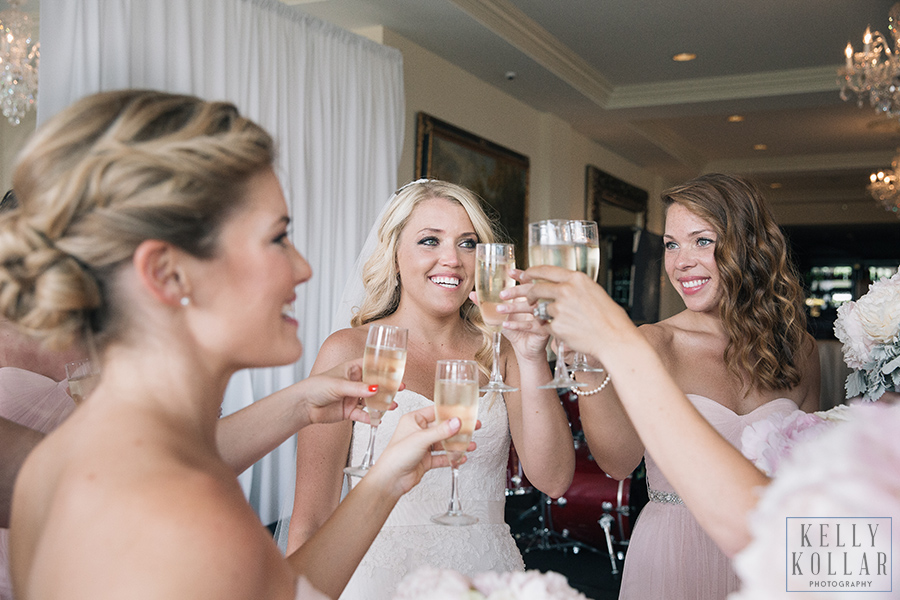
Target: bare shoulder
{"points": [[660, 335], [196, 527], [141, 512], [339, 347]]}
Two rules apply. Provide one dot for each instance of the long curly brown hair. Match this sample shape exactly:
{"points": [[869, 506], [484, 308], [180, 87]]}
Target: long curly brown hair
{"points": [[762, 301]]}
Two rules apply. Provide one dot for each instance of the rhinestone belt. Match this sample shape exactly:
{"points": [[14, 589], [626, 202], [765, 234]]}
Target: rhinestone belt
{"points": [[664, 497]]}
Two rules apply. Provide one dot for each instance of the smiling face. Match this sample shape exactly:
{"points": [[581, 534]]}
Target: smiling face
{"points": [[690, 244], [245, 293], [436, 256]]}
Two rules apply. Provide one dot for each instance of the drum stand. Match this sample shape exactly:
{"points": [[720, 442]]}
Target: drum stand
{"points": [[544, 537], [605, 522]]}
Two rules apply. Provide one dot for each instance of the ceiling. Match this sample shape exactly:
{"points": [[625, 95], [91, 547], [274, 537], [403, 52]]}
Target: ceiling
{"points": [[605, 67]]}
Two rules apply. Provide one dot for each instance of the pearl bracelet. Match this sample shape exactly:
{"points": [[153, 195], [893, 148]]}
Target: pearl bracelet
{"points": [[594, 391]]}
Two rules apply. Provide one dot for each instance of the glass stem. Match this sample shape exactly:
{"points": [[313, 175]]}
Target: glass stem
{"points": [[369, 457], [495, 369], [560, 372], [455, 506]]}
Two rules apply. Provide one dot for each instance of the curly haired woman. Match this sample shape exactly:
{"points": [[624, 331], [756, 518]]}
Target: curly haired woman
{"points": [[740, 351]]}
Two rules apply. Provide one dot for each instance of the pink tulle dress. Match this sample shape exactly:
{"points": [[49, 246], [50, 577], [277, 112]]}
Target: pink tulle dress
{"points": [[37, 402], [669, 556]]}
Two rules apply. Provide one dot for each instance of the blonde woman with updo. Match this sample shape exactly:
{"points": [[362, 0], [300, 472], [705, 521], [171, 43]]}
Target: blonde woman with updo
{"points": [[739, 351], [419, 276], [153, 228]]}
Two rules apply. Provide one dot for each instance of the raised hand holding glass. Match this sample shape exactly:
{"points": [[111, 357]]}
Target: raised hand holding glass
{"points": [[550, 243], [384, 361], [586, 237]]}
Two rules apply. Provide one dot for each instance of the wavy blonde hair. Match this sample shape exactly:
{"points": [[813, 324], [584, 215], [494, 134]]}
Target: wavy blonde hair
{"points": [[380, 275], [109, 172], [762, 304]]}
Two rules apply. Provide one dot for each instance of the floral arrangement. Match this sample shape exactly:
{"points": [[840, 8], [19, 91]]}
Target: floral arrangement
{"points": [[443, 584], [869, 330], [848, 471], [769, 442]]}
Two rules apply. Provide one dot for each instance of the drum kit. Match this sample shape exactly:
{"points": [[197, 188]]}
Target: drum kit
{"points": [[596, 512]]}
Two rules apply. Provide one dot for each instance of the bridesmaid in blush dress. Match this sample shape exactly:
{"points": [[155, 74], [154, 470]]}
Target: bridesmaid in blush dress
{"points": [[152, 228], [739, 350]]}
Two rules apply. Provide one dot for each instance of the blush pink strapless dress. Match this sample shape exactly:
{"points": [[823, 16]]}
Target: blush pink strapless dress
{"points": [[669, 556], [37, 402]]}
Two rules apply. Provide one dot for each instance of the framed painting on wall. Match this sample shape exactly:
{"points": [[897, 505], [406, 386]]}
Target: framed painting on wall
{"points": [[630, 256], [497, 174]]}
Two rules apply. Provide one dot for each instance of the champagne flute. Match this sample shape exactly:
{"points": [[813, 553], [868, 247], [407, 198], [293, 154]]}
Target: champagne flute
{"points": [[456, 395], [550, 243], [83, 378], [384, 361], [586, 238], [492, 265]]}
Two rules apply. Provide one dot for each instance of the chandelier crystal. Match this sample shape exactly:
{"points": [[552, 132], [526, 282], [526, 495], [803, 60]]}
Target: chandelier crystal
{"points": [[874, 72], [20, 57], [885, 186]]}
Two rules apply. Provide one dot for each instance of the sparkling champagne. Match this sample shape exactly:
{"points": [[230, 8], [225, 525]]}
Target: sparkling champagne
{"points": [[457, 399], [557, 255], [81, 387], [587, 259], [383, 367], [492, 278]]}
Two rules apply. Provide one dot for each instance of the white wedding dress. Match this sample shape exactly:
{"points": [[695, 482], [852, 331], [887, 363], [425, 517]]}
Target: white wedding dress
{"points": [[409, 539]]}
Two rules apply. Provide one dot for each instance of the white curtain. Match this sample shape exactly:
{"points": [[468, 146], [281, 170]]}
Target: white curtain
{"points": [[332, 100]]}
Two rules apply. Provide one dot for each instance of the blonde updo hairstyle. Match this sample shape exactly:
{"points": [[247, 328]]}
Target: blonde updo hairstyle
{"points": [[380, 272], [109, 172]]}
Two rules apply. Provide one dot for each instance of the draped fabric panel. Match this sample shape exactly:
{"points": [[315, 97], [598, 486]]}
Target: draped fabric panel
{"points": [[332, 100]]}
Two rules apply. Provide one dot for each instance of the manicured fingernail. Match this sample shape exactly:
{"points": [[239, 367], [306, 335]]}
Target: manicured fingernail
{"points": [[373, 388], [455, 422]]}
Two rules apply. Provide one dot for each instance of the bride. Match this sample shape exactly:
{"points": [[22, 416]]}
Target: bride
{"points": [[419, 277]]}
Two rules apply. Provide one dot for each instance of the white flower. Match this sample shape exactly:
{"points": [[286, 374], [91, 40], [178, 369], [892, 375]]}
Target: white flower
{"points": [[430, 582], [427, 583], [857, 345], [850, 471], [870, 332], [879, 310]]}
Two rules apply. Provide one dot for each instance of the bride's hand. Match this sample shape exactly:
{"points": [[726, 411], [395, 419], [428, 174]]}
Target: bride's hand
{"points": [[336, 394], [527, 335]]}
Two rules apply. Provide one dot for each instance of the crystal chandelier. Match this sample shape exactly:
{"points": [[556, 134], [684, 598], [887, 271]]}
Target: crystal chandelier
{"points": [[875, 71], [885, 186], [19, 60]]}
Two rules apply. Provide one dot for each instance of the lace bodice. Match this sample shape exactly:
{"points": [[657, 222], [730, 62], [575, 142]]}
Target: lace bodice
{"points": [[728, 423], [409, 539], [486, 465]]}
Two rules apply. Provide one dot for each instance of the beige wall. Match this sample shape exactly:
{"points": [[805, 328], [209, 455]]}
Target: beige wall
{"points": [[11, 141]]}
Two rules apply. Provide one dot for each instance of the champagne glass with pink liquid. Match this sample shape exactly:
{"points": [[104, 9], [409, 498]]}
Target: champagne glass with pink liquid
{"points": [[456, 395], [384, 361]]}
